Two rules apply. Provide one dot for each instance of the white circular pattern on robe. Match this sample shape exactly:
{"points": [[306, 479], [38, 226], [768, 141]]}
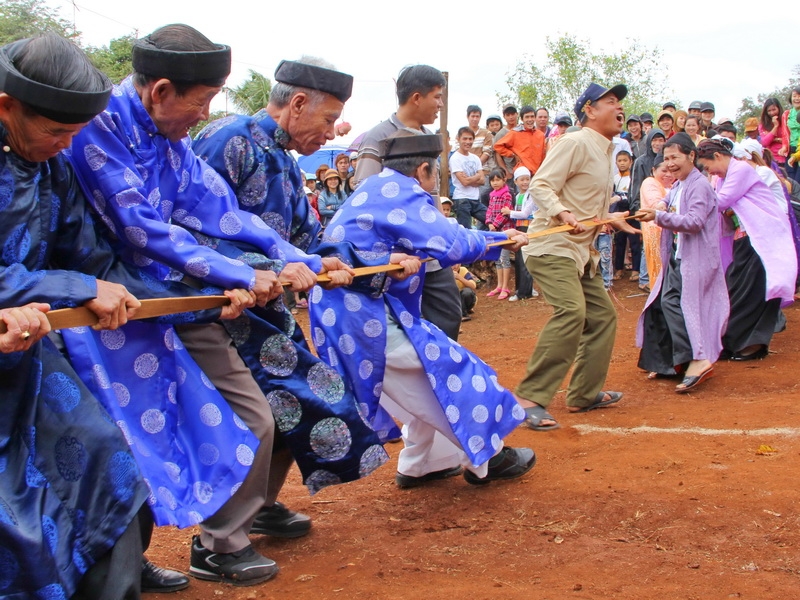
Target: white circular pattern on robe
{"points": [[432, 351], [166, 210], [145, 365], [132, 179], [518, 412], [173, 471], [472, 358], [104, 120], [387, 173], [172, 392], [178, 235], [258, 222], [235, 488], [352, 302], [496, 441], [428, 214], [325, 382], [230, 224], [233, 261], [154, 197], [454, 383], [437, 244], [151, 499], [413, 284], [378, 389], [112, 339], [390, 190], [109, 223], [141, 447], [239, 329], [316, 294], [405, 243], [337, 235], [244, 455], [171, 340], [140, 260], [206, 381], [373, 328], [497, 386], [136, 236], [278, 355], [498, 413], [95, 157], [319, 336], [347, 345], [198, 267], [101, 376], [328, 317], [122, 394], [359, 199], [174, 159], [432, 380], [476, 444], [479, 383], [426, 325], [195, 518], [99, 201], [418, 189], [167, 498], [153, 420], [480, 413], [397, 216], [123, 427], [452, 413], [184, 181], [365, 368], [210, 415], [285, 408], [406, 319], [203, 491], [330, 439], [214, 182], [237, 420], [455, 355], [365, 221], [333, 358], [208, 454]]}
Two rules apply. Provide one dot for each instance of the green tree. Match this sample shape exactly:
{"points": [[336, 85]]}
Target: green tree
{"points": [[252, 95], [25, 18], [115, 60], [217, 114], [571, 65], [752, 107]]}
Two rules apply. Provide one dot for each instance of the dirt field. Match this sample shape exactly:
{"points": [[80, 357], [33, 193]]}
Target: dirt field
{"points": [[663, 496]]}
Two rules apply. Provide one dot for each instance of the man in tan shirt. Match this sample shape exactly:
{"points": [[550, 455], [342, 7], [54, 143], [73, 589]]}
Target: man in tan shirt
{"points": [[573, 184]]}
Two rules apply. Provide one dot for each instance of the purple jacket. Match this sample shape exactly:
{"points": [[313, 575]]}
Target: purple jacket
{"points": [[704, 296], [743, 191]]}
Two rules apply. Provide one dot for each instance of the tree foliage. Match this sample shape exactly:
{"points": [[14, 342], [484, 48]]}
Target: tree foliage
{"points": [[571, 65], [25, 18], [752, 107], [252, 95], [116, 59]]}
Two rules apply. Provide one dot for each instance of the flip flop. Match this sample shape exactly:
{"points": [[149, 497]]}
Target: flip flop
{"points": [[614, 397], [692, 381], [535, 415]]}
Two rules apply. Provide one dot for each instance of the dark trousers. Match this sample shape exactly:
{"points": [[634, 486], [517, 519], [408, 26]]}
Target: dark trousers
{"points": [[441, 302], [523, 281], [467, 208], [468, 300], [621, 239]]}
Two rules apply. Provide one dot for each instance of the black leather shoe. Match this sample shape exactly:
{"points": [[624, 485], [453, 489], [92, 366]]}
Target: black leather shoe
{"points": [[759, 354], [509, 463], [279, 521], [156, 580], [408, 481]]}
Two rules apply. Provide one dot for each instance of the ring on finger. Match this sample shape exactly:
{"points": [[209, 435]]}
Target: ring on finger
{"points": [[25, 335]]}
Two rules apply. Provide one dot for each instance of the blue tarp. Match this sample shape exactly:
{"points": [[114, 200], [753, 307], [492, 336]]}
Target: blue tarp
{"points": [[325, 155]]}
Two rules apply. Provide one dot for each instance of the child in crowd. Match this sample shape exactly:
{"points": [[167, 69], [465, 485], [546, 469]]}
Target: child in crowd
{"points": [[619, 202], [496, 220], [465, 281], [447, 206], [522, 214], [310, 188]]}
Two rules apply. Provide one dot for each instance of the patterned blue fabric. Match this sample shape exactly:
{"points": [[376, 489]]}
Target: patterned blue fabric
{"points": [[69, 485], [314, 408], [390, 212], [150, 191]]}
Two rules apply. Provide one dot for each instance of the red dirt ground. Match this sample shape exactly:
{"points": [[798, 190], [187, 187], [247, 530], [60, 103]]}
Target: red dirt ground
{"points": [[684, 510]]}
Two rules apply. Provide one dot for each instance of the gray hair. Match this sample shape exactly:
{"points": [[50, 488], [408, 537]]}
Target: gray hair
{"points": [[282, 93]]}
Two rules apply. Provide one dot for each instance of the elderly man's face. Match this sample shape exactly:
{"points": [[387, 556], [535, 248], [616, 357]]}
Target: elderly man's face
{"points": [[311, 123], [33, 137], [174, 115]]}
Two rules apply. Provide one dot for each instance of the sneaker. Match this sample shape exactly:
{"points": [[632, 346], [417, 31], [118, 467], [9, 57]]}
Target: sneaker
{"points": [[509, 463], [534, 294], [409, 481], [245, 567], [279, 521], [513, 298]]}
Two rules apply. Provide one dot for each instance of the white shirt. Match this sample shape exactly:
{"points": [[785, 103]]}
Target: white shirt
{"points": [[469, 165]]}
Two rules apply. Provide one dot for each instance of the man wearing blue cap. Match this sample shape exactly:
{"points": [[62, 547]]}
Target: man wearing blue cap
{"points": [[573, 184]]}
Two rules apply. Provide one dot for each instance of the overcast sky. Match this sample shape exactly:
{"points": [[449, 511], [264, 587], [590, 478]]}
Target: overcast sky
{"points": [[721, 52]]}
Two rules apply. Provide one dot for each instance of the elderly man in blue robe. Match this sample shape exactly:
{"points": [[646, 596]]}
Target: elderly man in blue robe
{"points": [[456, 412], [71, 495], [174, 215]]}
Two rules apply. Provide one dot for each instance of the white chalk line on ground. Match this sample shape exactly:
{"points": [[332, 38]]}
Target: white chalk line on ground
{"points": [[768, 431]]}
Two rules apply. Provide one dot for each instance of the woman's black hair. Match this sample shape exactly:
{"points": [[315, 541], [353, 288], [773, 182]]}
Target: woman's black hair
{"points": [[708, 148], [658, 160], [497, 173], [766, 120]]}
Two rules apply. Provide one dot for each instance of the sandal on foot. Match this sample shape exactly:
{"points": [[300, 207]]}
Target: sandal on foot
{"points": [[613, 398], [503, 294], [535, 415], [692, 381], [494, 292], [634, 276]]}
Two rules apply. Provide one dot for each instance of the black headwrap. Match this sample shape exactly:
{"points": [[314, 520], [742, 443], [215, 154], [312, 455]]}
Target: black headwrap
{"points": [[56, 104], [181, 66], [428, 145], [335, 83]]}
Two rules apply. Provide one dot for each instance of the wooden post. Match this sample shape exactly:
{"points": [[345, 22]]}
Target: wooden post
{"points": [[444, 168]]}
